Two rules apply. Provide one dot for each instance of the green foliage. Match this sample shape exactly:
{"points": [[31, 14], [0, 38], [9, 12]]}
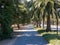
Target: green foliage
{"points": [[12, 13], [7, 33], [1, 34], [51, 37], [6, 19], [16, 12]]}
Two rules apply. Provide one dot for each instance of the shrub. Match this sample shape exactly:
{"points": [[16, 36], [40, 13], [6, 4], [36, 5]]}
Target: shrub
{"points": [[0, 34], [8, 33]]}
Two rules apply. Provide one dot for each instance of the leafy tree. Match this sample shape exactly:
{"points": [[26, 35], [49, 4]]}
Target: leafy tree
{"points": [[6, 16]]}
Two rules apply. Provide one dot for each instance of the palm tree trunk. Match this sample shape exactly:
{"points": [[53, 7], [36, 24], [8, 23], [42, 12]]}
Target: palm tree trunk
{"points": [[40, 22], [57, 21], [37, 24], [18, 26], [53, 22], [57, 26], [48, 24], [43, 22]]}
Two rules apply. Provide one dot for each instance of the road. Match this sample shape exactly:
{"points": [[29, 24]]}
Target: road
{"points": [[29, 37]]}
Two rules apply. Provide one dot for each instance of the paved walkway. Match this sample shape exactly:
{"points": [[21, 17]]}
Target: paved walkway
{"points": [[53, 27], [29, 38]]}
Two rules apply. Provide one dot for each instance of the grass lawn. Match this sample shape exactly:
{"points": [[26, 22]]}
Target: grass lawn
{"points": [[51, 37]]}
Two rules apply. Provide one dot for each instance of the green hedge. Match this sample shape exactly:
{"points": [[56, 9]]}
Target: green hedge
{"points": [[0, 34], [6, 34]]}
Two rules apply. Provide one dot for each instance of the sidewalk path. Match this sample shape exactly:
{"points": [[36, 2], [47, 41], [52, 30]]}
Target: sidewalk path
{"points": [[30, 38], [53, 27]]}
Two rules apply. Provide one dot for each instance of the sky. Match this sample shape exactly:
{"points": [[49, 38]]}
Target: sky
{"points": [[23, 1], [28, 0]]}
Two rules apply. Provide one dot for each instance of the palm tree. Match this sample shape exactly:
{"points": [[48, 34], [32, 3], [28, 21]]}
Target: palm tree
{"points": [[37, 12], [50, 7], [48, 10], [56, 6], [44, 13], [20, 12]]}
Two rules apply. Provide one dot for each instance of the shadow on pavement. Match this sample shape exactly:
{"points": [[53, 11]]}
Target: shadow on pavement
{"points": [[29, 38]]}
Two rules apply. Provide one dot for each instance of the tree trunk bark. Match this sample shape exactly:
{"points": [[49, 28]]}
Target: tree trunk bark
{"points": [[48, 24], [53, 22], [40, 22], [18, 26], [37, 23], [43, 22], [57, 24]]}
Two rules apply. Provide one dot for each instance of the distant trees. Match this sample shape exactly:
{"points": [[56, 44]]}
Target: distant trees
{"points": [[44, 8], [13, 11]]}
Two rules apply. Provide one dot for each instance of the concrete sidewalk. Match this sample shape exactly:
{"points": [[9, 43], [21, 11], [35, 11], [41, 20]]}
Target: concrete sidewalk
{"points": [[30, 38], [8, 41], [27, 37]]}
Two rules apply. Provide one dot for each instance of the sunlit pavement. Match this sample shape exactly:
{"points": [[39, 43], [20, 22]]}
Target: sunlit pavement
{"points": [[29, 37], [53, 27], [8, 41]]}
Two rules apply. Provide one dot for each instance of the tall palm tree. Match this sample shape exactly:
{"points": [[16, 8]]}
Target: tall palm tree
{"points": [[38, 11], [20, 11], [50, 7], [56, 6], [48, 10], [44, 13]]}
